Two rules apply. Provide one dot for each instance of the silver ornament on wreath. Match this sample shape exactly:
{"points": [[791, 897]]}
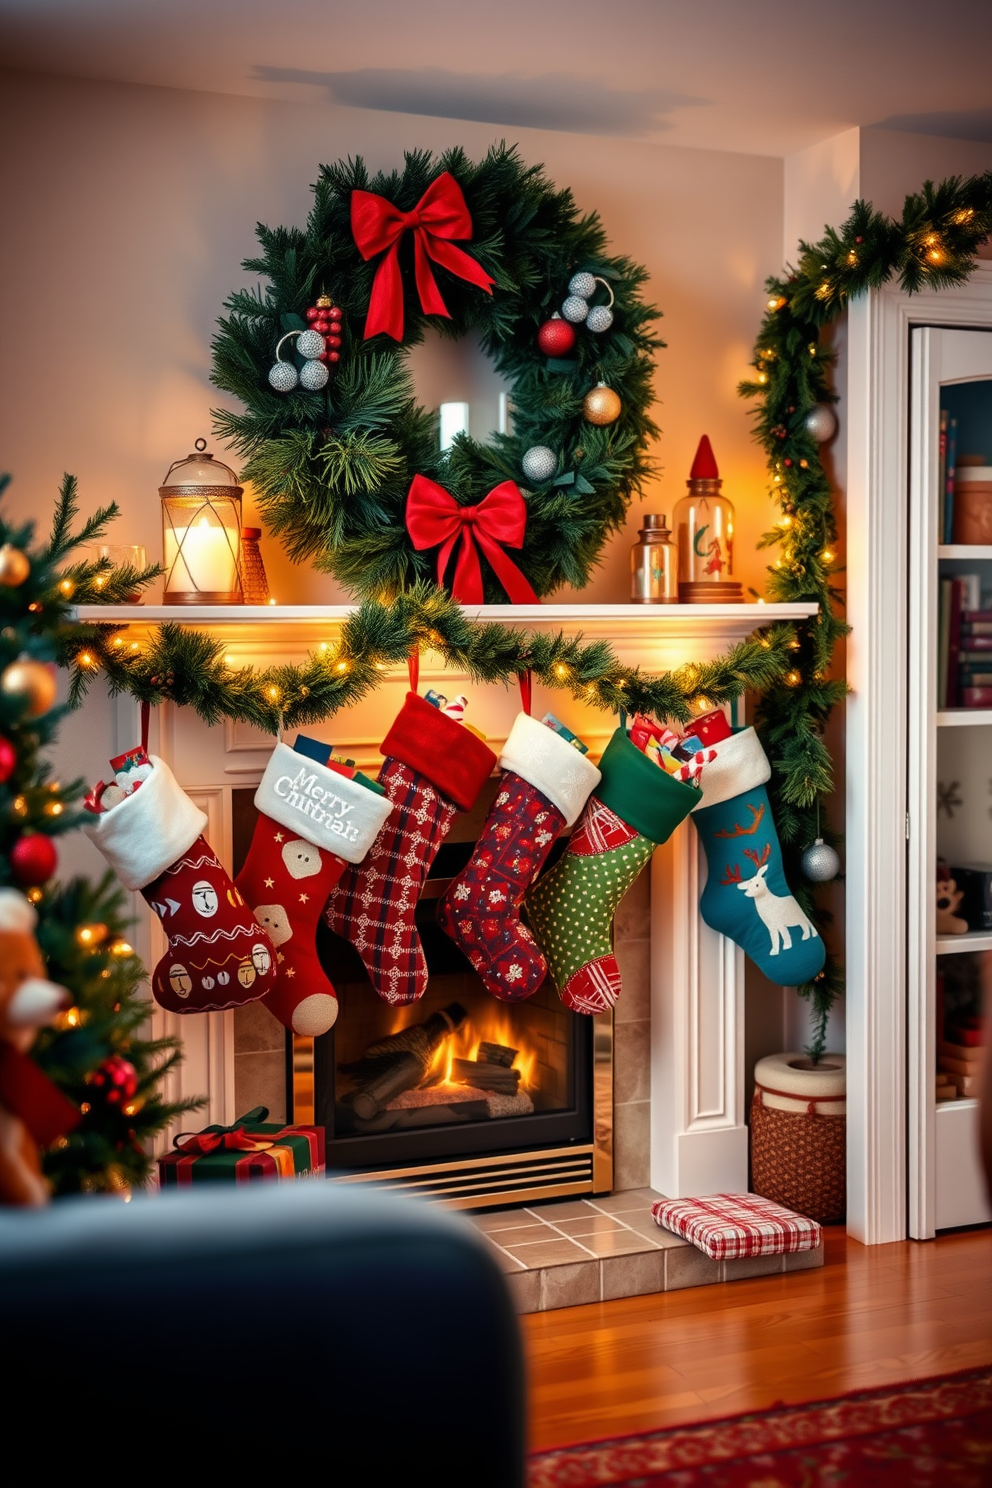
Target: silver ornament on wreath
{"points": [[820, 423], [582, 284], [575, 309], [313, 375], [820, 862], [539, 463], [597, 318]]}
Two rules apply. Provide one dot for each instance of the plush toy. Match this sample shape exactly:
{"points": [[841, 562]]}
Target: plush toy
{"points": [[33, 1111], [949, 896]]}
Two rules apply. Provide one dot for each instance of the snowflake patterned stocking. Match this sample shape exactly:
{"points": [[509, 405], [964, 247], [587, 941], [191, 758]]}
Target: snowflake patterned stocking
{"points": [[635, 807], [544, 786], [218, 957], [312, 823], [746, 895], [433, 767]]}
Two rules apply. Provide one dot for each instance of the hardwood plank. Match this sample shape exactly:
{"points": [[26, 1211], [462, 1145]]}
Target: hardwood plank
{"points": [[871, 1316]]}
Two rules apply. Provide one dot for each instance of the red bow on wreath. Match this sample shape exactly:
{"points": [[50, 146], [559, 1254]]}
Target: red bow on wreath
{"points": [[439, 216], [434, 517]]}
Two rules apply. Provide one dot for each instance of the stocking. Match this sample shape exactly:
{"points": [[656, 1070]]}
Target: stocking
{"points": [[635, 807], [433, 767], [218, 956], [312, 823], [543, 788], [746, 896]]}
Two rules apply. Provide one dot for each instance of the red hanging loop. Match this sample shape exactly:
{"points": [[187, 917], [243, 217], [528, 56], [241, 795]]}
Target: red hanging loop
{"points": [[413, 666], [524, 678], [146, 713]]}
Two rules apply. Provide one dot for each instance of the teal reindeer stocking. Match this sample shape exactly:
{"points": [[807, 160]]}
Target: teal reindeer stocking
{"points": [[746, 896]]}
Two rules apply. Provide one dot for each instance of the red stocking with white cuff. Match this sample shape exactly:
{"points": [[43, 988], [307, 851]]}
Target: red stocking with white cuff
{"points": [[312, 823], [218, 955]]}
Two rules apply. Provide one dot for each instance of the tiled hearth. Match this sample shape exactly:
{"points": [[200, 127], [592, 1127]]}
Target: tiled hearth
{"points": [[595, 1250]]}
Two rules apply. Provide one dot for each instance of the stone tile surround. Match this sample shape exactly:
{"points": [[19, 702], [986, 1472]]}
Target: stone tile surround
{"points": [[575, 1251]]}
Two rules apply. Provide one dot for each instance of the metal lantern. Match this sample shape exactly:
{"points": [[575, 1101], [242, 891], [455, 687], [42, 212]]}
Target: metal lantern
{"points": [[654, 564], [201, 531]]}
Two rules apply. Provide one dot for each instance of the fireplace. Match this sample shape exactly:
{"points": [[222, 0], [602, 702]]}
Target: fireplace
{"points": [[460, 1097]]}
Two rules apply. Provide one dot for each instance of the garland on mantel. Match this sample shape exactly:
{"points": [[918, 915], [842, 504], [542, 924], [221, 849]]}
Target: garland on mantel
{"points": [[932, 246]]}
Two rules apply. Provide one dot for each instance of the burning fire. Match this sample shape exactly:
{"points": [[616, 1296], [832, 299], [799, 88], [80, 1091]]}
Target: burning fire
{"points": [[494, 1026]]}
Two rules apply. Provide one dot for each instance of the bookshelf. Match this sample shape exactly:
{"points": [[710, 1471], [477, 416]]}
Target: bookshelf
{"points": [[949, 797]]}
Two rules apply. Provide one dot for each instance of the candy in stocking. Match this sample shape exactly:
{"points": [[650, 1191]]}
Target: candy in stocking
{"points": [[544, 786], [746, 896], [635, 807], [218, 956], [434, 766], [312, 823]]}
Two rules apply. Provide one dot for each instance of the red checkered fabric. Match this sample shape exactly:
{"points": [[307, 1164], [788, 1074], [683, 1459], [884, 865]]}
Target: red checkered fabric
{"points": [[729, 1227]]}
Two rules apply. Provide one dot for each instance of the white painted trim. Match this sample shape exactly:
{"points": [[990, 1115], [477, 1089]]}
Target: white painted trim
{"points": [[877, 741]]}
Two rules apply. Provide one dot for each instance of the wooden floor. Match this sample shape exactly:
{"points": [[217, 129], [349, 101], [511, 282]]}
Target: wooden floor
{"points": [[872, 1315]]}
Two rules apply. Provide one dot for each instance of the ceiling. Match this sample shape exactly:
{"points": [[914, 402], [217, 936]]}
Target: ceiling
{"points": [[765, 77]]}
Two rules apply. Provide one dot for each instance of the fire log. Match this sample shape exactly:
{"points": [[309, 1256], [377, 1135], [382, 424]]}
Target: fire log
{"points": [[485, 1076], [497, 1054], [402, 1060]]}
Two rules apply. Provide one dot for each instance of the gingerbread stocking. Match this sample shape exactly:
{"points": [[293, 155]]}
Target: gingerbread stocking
{"points": [[218, 956], [313, 822]]}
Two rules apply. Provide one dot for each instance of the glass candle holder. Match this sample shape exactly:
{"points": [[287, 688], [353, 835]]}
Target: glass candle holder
{"points": [[704, 529], [201, 531], [654, 564]]}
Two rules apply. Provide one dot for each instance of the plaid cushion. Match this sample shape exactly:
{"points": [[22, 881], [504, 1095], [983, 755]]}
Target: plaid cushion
{"points": [[727, 1227]]}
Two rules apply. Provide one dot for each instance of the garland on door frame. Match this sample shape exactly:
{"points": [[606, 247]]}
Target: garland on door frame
{"points": [[333, 444], [931, 246]]}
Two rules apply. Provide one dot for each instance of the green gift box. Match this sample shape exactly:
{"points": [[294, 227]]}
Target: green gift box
{"points": [[251, 1149]]}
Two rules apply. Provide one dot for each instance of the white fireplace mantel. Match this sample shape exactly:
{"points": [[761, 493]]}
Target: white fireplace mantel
{"points": [[698, 1135]]}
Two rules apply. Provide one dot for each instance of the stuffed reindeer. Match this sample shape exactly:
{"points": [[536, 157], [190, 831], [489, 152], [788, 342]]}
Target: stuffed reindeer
{"points": [[32, 1110]]}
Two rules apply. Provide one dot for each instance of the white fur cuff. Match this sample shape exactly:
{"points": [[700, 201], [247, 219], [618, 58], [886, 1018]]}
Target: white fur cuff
{"points": [[553, 766], [740, 765], [146, 832], [340, 815]]}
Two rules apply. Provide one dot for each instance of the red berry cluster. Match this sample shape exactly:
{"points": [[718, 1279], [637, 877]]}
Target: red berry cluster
{"points": [[325, 319]]}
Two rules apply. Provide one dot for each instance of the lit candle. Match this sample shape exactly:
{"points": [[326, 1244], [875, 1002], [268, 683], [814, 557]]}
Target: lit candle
{"points": [[201, 559]]}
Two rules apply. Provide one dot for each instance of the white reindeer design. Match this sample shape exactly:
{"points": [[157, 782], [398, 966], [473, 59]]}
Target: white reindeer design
{"points": [[779, 912]]}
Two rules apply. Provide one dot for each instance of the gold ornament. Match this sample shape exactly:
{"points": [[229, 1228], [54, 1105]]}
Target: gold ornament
{"points": [[14, 566], [601, 405], [32, 680]]}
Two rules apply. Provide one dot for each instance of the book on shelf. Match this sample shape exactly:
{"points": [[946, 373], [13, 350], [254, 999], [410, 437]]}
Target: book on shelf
{"points": [[942, 475], [950, 1065], [949, 463], [969, 1056], [964, 643]]}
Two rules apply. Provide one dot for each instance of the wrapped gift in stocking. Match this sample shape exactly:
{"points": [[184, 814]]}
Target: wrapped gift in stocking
{"points": [[218, 955], [545, 784], [313, 822], [746, 896], [433, 767], [635, 807]]}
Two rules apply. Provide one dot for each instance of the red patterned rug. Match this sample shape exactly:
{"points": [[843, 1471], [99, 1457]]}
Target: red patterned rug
{"points": [[934, 1432]]}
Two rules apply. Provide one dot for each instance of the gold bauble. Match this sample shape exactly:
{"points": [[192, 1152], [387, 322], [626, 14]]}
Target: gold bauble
{"points": [[33, 681], [14, 566], [601, 405]]}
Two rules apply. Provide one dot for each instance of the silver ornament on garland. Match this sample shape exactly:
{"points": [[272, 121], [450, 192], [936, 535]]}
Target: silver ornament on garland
{"points": [[313, 376], [575, 309], [539, 463], [582, 284], [820, 863], [310, 344], [820, 423], [599, 319], [283, 377]]}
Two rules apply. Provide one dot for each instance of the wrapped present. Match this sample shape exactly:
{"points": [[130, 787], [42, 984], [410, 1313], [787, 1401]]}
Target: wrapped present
{"points": [[251, 1149]]}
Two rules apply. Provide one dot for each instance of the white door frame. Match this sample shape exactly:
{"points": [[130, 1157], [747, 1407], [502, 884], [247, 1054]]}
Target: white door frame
{"points": [[878, 391]]}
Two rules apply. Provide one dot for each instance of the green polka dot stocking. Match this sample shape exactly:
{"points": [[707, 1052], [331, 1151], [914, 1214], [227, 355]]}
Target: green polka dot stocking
{"points": [[571, 909]]}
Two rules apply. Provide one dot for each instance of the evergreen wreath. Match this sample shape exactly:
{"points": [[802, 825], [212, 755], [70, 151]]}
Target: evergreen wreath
{"points": [[333, 468], [932, 246]]}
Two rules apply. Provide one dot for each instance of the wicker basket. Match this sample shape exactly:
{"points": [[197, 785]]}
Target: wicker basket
{"points": [[799, 1154]]}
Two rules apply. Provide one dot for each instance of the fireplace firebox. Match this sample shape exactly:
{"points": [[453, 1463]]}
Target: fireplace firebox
{"points": [[460, 1097]]}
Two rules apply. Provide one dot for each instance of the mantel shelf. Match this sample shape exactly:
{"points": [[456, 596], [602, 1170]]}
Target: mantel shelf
{"points": [[733, 621]]}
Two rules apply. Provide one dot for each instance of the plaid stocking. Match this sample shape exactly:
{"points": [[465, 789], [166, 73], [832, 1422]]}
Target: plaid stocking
{"points": [[433, 767], [544, 786]]}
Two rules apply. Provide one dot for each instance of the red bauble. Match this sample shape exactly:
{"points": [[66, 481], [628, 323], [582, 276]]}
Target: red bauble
{"points": [[334, 313], [333, 356], [334, 342], [8, 760], [556, 337], [33, 860], [116, 1079], [321, 327], [313, 313]]}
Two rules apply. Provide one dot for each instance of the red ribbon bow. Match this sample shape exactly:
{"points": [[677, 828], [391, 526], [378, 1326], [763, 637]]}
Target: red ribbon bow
{"points": [[234, 1139], [434, 517], [439, 216]]}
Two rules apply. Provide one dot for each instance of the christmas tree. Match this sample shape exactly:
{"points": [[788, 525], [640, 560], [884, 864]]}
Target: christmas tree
{"points": [[95, 1052]]}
